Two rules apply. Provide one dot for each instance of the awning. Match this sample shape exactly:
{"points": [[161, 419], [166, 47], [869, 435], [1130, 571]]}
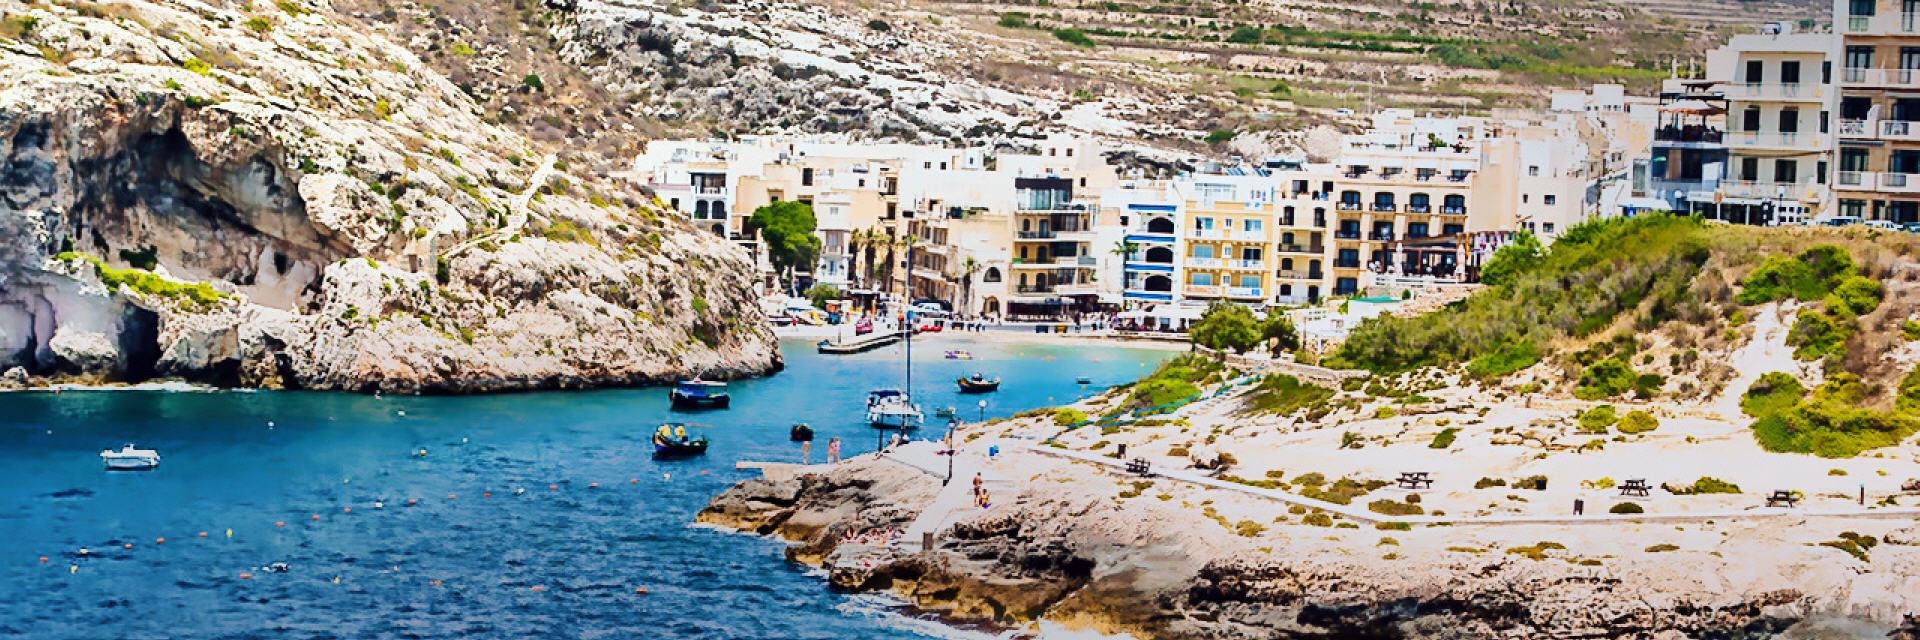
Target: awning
{"points": [[1696, 107]]}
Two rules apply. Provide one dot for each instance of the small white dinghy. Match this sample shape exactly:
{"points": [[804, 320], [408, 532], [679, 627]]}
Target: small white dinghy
{"points": [[130, 459]]}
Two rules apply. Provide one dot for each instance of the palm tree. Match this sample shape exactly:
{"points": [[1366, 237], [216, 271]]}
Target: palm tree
{"points": [[967, 269], [855, 240], [1123, 249]]}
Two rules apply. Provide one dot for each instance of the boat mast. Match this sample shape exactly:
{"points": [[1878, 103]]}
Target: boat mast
{"points": [[907, 316]]}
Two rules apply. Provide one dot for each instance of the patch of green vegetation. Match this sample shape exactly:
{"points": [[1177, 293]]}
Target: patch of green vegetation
{"points": [[1637, 422], [1626, 508], [1283, 394], [1704, 486], [1318, 520], [1503, 361], [463, 49], [1773, 393], [1075, 37], [1534, 482], [199, 294], [1249, 529], [1175, 380], [1443, 439], [1489, 482], [700, 305], [1395, 508], [1536, 551], [1219, 136], [1342, 491], [1613, 377], [1264, 483], [1834, 421], [1591, 274], [1662, 548], [1807, 277], [1065, 416], [1598, 419], [567, 231], [197, 65], [1013, 20], [1393, 526], [533, 81], [259, 25], [291, 8], [1910, 329], [1854, 544]]}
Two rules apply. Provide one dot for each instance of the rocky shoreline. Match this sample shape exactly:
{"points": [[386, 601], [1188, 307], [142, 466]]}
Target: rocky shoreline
{"points": [[1065, 550]]}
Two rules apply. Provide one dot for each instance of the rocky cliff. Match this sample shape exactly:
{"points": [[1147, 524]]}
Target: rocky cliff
{"points": [[1067, 551], [258, 194]]}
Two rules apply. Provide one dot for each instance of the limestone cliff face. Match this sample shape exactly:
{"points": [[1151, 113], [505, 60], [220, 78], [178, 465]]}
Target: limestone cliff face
{"points": [[257, 194]]}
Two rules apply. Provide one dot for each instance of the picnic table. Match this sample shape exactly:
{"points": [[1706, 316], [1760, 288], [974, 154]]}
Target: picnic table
{"points": [[1781, 496], [1634, 487], [1414, 480], [1140, 467]]}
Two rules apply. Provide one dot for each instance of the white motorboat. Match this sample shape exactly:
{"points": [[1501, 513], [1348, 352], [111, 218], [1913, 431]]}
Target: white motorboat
{"points": [[893, 409], [130, 459]]}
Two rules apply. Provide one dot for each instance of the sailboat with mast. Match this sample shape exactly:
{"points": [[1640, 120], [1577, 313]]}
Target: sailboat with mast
{"points": [[894, 408]]}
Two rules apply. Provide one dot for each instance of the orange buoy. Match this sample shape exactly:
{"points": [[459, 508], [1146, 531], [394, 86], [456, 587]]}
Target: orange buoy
{"points": [[539, 588], [553, 487], [246, 576], [593, 485], [633, 481], [434, 582], [316, 517], [43, 559], [640, 590], [203, 534], [346, 509], [159, 540], [127, 546], [279, 523], [486, 494], [411, 501]]}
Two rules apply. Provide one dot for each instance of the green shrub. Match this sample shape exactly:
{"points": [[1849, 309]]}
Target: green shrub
{"points": [[1393, 526], [1855, 295], [1705, 485], [1074, 37], [1283, 394], [1503, 361], [1834, 421], [197, 65], [567, 231], [1638, 421], [1443, 439], [1816, 335], [1854, 544], [1218, 136], [1772, 393], [1342, 491], [1318, 520], [1537, 551], [1626, 508], [1068, 416], [1910, 329], [1489, 482], [1013, 20], [1175, 380], [198, 294], [1806, 277], [1535, 482], [1393, 508], [1606, 379], [1662, 548], [1598, 419]]}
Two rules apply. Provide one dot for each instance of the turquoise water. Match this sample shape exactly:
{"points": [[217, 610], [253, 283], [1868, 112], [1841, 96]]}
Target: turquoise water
{"points": [[457, 563]]}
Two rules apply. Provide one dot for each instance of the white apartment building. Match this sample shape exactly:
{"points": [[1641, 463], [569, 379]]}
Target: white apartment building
{"points": [[1780, 100]]}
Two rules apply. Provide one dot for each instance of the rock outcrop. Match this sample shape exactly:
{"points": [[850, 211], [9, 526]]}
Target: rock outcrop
{"points": [[1157, 569], [258, 194]]}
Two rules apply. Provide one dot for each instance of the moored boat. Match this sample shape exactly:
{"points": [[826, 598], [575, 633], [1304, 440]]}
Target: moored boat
{"points": [[700, 394], [979, 383], [130, 459], [959, 354], [892, 409], [671, 441], [800, 432]]}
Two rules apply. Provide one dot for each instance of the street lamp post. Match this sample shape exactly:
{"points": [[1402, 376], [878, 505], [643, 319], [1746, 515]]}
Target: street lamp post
{"points": [[983, 411]]}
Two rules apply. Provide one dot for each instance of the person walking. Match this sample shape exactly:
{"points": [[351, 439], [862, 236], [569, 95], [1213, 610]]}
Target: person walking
{"points": [[806, 452], [833, 451], [979, 486]]}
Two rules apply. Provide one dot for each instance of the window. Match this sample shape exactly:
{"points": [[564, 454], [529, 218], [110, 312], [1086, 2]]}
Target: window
{"points": [[1533, 170], [993, 275], [1069, 152], [1789, 120], [1202, 251], [1547, 227], [1250, 253], [1785, 171], [1750, 121], [1853, 159], [1749, 168], [676, 203], [1250, 281], [1549, 200], [1820, 172], [1789, 72], [1201, 279], [1755, 73], [806, 176], [1252, 226], [1523, 198]]}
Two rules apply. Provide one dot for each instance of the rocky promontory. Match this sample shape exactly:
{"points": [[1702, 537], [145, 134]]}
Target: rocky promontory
{"points": [[257, 194], [1162, 560]]}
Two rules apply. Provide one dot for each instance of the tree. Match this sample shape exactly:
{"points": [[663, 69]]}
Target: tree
{"points": [[967, 269], [1227, 327], [1278, 332], [787, 229], [1519, 256], [1123, 249], [820, 294]]}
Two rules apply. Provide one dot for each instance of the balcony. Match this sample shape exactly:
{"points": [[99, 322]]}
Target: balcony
{"points": [[1900, 130], [1043, 234], [1877, 181], [1385, 207], [1857, 129], [1900, 183], [1789, 92], [1690, 136], [1890, 78], [1243, 292], [1299, 275], [1350, 206], [1203, 290], [1419, 208], [1076, 261], [1346, 264], [708, 190], [1299, 248], [1247, 265], [1453, 211], [1033, 288], [1347, 235], [1778, 140], [1380, 235], [1204, 263], [1207, 234], [1889, 24], [1806, 190]]}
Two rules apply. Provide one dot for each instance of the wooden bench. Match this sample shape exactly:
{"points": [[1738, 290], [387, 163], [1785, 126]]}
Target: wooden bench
{"points": [[1781, 496], [1140, 467], [1634, 487], [1414, 480]]}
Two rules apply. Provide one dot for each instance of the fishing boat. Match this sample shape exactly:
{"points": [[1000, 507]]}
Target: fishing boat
{"points": [[979, 383], [800, 432], [130, 459], [1084, 380], [944, 412], [699, 394], [959, 354], [671, 441], [892, 409]]}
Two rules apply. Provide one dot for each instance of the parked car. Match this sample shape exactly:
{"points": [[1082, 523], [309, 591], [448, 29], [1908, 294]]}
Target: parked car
{"points": [[1911, 227], [1841, 221], [1882, 224]]}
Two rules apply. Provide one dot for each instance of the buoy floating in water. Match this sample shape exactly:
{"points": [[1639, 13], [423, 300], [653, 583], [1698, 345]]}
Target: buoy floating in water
{"points": [[279, 523], [229, 533], [127, 546], [84, 551], [203, 534], [434, 582], [450, 496], [316, 517], [346, 509], [411, 502], [159, 540], [72, 568], [539, 588], [519, 490], [246, 576], [486, 494], [553, 487], [593, 485], [43, 559], [633, 481], [379, 505], [640, 590]]}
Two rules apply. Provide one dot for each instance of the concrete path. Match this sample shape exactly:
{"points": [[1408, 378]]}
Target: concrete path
{"points": [[1361, 514], [955, 500]]}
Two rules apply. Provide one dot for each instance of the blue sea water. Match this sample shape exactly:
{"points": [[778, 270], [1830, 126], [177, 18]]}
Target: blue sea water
{"points": [[456, 563]]}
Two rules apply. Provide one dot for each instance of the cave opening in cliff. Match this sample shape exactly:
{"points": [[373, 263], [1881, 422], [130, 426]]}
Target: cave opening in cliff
{"points": [[139, 343]]}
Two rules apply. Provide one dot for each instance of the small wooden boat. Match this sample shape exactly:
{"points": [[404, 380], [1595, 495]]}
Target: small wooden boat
{"points": [[1084, 380], [979, 383], [700, 394], [671, 441], [959, 354], [801, 433], [944, 412]]}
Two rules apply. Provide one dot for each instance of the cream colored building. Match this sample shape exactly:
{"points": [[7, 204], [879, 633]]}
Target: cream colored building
{"points": [[1779, 139]]}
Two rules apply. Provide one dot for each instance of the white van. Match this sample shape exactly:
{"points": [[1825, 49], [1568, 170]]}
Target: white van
{"points": [[1841, 221]]}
